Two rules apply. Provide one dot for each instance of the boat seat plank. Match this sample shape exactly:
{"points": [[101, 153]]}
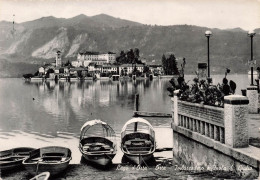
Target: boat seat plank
{"points": [[53, 155], [133, 148], [96, 152], [3, 162], [139, 152]]}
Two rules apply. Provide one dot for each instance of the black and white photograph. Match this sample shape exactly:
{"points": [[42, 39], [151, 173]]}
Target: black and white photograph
{"points": [[129, 89]]}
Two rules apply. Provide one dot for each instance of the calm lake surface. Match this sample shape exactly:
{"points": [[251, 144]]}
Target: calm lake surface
{"points": [[40, 114]]}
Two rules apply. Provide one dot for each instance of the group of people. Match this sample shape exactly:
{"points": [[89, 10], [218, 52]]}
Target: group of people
{"points": [[228, 89]]}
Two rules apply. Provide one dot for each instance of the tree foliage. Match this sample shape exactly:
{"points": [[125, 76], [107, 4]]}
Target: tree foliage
{"points": [[129, 57], [170, 65]]}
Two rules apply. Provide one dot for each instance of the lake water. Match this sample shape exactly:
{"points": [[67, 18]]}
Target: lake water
{"points": [[40, 114]]}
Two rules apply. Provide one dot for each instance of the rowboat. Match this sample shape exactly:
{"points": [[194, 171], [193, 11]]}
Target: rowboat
{"points": [[13, 158], [53, 159], [42, 176], [138, 140], [97, 142]]}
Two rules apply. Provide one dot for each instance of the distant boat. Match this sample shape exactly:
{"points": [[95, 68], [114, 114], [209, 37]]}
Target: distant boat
{"points": [[138, 140], [42, 176], [13, 158], [97, 142], [53, 159]]}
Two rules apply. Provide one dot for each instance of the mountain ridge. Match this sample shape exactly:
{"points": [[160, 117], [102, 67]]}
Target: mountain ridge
{"points": [[36, 41]]}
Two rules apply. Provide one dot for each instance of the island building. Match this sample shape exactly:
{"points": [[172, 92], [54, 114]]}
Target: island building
{"points": [[87, 57], [58, 59], [129, 68]]}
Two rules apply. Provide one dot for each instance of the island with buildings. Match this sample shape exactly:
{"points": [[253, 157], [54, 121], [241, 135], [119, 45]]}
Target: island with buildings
{"points": [[91, 65]]}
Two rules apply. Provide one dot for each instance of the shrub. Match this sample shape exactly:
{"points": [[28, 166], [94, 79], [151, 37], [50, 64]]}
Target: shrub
{"points": [[202, 91]]}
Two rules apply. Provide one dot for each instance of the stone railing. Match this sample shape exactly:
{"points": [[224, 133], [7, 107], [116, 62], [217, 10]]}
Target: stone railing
{"points": [[227, 125]]}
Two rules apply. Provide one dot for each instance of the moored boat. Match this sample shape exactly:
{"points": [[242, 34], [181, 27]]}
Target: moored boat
{"points": [[13, 158], [42, 176], [97, 142], [53, 159], [138, 140]]}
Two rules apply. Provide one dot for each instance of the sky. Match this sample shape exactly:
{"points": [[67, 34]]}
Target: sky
{"points": [[221, 14]]}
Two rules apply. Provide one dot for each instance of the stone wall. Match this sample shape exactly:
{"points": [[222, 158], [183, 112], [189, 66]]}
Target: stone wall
{"points": [[196, 156], [212, 138]]}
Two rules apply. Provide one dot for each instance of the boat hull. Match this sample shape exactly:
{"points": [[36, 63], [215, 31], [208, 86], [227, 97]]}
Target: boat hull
{"points": [[42, 176], [54, 169], [53, 159], [5, 166], [100, 159], [13, 158], [139, 159]]}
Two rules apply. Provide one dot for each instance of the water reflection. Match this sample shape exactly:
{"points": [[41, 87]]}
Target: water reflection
{"points": [[49, 106]]}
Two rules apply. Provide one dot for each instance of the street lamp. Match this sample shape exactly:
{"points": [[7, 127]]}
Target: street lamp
{"points": [[251, 34], [208, 34]]}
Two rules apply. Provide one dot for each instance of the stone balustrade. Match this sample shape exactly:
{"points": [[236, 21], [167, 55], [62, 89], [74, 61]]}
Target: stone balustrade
{"points": [[227, 125]]}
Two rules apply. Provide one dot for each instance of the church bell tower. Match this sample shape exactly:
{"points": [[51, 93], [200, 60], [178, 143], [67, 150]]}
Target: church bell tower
{"points": [[58, 58]]}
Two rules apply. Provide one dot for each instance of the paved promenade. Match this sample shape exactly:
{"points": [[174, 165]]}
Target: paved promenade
{"points": [[124, 172]]}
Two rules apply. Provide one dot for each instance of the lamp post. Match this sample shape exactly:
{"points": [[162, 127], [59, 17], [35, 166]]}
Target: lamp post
{"points": [[208, 34], [251, 34]]}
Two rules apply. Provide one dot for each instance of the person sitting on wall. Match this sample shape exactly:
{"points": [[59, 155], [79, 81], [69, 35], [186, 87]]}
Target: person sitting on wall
{"points": [[225, 87], [233, 86]]}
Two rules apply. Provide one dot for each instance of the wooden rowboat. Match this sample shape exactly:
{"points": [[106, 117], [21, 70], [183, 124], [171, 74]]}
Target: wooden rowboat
{"points": [[42, 176], [53, 159], [138, 140], [13, 158], [97, 142]]}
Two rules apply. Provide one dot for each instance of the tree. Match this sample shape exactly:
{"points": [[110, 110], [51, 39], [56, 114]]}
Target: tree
{"points": [[121, 59], [172, 65], [164, 64], [67, 63], [134, 70], [122, 72], [136, 54], [36, 73], [169, 65], [130, 56], [146, 69], [50, 71]]}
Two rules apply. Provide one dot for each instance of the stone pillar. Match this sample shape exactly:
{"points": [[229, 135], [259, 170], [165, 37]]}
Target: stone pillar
{"points": [[235, 121], [252, 94], [175, 106]]}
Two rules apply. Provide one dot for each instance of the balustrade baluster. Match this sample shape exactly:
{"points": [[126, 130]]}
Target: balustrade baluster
{"points": [[211, 131], [221, 134], [216, 133]]}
